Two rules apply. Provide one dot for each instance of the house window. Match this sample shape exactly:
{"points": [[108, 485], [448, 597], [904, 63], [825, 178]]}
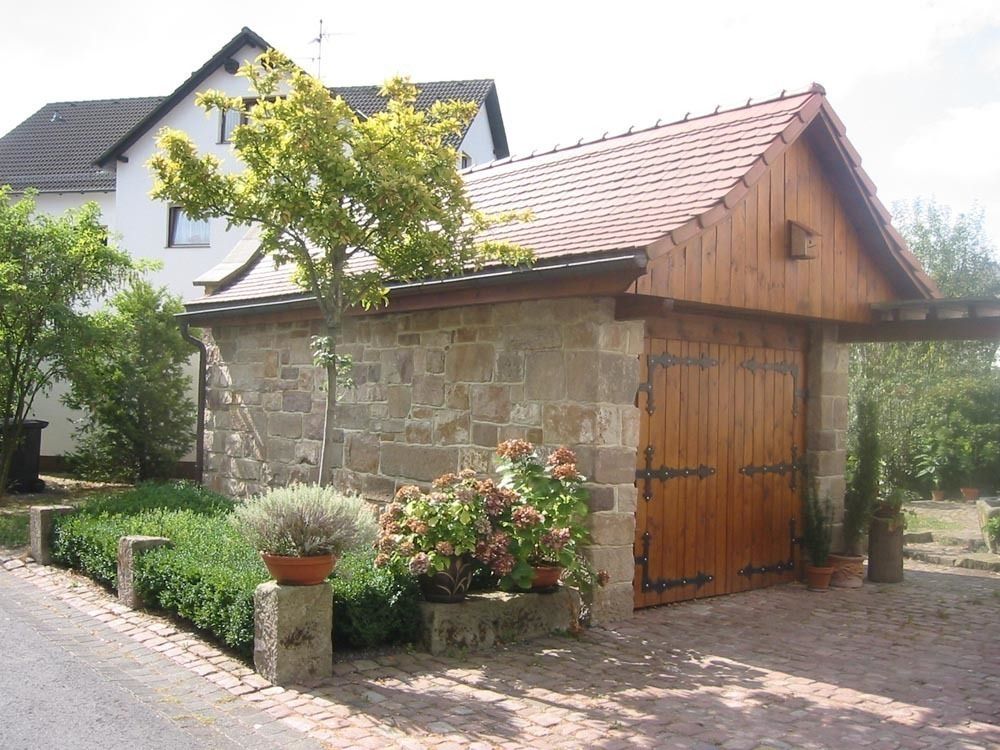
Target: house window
{"points": [[229, 120], [464, 160], [185, 231]]}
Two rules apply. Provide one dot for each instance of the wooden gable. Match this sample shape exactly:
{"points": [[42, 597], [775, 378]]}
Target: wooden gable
{"points": [[744, 260]]}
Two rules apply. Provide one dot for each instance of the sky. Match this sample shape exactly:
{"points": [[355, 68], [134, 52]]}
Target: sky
{"points": [[916, 82]]}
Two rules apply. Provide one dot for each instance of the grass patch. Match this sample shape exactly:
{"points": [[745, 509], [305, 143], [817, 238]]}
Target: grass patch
{"points": [[929, 522], [13, 530]]}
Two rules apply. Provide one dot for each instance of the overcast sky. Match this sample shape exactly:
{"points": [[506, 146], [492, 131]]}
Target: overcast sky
{"points": [[916, 82]]}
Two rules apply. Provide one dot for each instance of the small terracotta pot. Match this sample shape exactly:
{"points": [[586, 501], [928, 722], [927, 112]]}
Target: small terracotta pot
{"points": [[937, 495], [451, 585], [546, 578], [970, 493], [818, 579], [299, 571]]}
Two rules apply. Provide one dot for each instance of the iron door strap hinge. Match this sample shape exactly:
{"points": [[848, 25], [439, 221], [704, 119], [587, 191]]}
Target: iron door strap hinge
{"points": [[665, 473], [782, 566], [792, 467], [660, 585], [786, 368], [668, 360]]}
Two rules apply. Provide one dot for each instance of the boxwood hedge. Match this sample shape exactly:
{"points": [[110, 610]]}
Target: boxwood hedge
{"points": [[209, 574]]}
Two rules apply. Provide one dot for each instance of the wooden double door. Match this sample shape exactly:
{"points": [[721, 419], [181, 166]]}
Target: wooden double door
{"points": [[719, 460]]}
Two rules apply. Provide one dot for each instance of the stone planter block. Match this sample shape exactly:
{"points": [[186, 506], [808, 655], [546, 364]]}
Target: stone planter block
{"points": [[40, 523], [484, 620], [129, 548], [293, 632]]}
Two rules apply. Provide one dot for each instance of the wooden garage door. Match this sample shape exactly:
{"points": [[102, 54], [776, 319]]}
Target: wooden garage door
{"points": [[719, 464]]}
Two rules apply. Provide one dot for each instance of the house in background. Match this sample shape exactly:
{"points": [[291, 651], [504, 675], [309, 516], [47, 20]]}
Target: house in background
{"points": [[684, 331], [74, 152]]}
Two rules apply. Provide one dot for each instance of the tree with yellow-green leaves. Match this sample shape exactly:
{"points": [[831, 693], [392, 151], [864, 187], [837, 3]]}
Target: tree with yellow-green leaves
{"points": [[353, 203]]}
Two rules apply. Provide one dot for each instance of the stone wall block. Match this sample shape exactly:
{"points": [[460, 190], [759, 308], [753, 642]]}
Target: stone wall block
{"points": [[619, 562], [129, 548], [361, 452], [452, 427], [612, 529], [419, 431], [615, 465], [618, 378], [612, 603], [509, 367], [293, 628], [545, 375], [601, 497], [627, 496], [582, 376], [428, 389], [569, 423], [398, 397], [525, 412], [484, 434], [283, 424], [490, 403], [41, 519], [470, 363], [419, 462]]}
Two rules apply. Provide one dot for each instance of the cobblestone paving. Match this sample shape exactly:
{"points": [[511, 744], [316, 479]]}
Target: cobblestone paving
{"points": [[911, 665]]}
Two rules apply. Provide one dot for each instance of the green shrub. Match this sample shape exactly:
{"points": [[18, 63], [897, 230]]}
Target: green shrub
{"points": [[374, 605], [993, 530], [131, 385], [305, 519], [88, 539], [207, 577]]}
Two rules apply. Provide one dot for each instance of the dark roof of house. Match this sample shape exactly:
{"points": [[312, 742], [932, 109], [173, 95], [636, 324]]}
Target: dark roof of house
{"points": [[54, 149], [246, 37], [366, 101], [64, 145], [641, 190]]}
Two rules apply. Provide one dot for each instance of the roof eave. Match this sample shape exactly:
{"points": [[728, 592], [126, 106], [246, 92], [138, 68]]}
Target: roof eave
{"points": [[628, 259], [242, 39]]}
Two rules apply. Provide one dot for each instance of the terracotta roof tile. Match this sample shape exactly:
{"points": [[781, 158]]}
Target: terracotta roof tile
{"points": [[627, 191]]}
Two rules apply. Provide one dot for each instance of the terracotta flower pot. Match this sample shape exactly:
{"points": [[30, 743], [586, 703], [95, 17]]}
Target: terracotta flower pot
{"points": [[937, 495], [970, 493], [299, 571], [818, 579], [451, 585], [848, 571], [546, 578]]}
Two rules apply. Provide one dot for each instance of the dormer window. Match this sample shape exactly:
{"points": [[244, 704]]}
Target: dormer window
{"points": [[464, 160], [185, 231]]}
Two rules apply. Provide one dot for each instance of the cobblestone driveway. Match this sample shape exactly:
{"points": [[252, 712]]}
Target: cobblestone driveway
{"points": [[914, 665]]}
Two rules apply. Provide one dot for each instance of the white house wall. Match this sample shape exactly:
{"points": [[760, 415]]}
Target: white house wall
{"points": [[478, 141], [142, 221]]}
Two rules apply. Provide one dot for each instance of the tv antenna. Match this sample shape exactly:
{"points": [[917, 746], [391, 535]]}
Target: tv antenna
{"points": [[318, 41]]}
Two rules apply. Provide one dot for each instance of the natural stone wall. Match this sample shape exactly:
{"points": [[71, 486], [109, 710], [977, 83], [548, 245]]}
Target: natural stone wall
{"points": [[826, 418], [434, 392]]}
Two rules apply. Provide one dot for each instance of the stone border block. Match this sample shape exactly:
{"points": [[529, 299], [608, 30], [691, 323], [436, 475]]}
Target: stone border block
{"points": [[129, 548], [293, 632], [484, 620], [41, 520]]}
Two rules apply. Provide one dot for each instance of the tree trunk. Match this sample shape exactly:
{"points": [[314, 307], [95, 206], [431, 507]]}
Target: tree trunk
{"points": [[332, 455]]}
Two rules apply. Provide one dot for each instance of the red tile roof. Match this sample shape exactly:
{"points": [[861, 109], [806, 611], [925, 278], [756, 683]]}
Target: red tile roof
{"points": [[643, 189]]}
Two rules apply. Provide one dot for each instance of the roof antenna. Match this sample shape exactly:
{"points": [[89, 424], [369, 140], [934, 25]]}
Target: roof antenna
{"points": [[318, 41]]}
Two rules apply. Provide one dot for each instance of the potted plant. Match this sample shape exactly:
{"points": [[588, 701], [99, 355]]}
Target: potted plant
{"points": [[931, 465], [860, 497], [436, 534], [301, 530], [546, 524], [817, 536], [885, 540]]}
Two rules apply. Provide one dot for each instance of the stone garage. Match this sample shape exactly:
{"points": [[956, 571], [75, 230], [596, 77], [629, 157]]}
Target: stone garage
{"points": [[682, 330]]}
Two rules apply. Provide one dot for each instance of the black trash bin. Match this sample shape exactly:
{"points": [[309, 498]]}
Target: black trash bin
{"points": [[24, 467]]}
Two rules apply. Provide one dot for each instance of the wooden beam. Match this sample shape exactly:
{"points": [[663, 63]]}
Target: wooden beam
{"points": [[942, 329], [641, 306]]}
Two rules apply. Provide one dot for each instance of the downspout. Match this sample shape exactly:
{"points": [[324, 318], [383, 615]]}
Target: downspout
{"points": [[199, 451]]}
